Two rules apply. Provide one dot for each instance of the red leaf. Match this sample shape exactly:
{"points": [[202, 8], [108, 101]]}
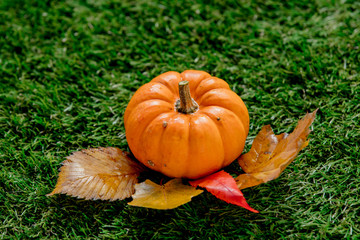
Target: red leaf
{"points": [[223, 186]]}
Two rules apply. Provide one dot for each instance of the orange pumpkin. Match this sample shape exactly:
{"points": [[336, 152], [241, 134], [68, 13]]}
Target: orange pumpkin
{"points": [[186, 125]]}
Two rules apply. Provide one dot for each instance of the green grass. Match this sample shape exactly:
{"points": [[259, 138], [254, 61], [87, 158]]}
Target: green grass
{"points": [[69, 68]]}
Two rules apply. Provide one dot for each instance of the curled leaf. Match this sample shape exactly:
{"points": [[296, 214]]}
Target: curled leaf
{"points": [[98, 173], [270, 154], [223, 186], [171, 195]]}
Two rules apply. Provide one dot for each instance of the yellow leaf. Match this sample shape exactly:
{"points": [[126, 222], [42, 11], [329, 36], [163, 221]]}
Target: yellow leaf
{"points": [[270, 154], [98, 173], [171, 195]]}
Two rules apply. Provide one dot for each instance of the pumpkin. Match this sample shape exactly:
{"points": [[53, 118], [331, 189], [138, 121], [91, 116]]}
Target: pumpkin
{"points": [[186, 125]]}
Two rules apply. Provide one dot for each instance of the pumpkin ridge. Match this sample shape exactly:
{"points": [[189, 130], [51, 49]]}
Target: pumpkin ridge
{"points": [[188, 147], [162, 133], [201, 104], [162, 166], [163, 143], [205, 148], [216, 123], [130, 110], [243, 128], [149, 123], [198, 84], [158, 85], [134, 110], [171, 90], [194, 76], [220, 134], [168, 79], [218, 106], [153, 99], [211, 90], [216, 84]]}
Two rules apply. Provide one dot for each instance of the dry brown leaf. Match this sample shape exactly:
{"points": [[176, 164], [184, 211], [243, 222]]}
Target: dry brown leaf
{"points": [[171, 195], [270, 154], [98, 173]]}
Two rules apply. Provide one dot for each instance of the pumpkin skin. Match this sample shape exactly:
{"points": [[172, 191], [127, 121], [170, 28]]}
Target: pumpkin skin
{"points": [[186, 145]]}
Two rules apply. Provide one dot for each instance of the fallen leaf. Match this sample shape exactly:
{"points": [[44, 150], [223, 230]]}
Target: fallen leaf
{"points": [[223, 186], [270, 154], [98, 173], [171, 195]]}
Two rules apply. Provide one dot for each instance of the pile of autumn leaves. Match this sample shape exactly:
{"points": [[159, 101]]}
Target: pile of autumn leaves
{"points": [[110, 174]]}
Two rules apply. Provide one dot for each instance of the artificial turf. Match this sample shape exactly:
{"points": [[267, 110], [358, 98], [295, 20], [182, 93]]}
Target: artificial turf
{"points": [[69, 68]]}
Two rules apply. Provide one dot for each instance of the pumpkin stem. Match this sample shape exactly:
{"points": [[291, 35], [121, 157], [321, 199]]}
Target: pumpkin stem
{"points": [[185, 104]]}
